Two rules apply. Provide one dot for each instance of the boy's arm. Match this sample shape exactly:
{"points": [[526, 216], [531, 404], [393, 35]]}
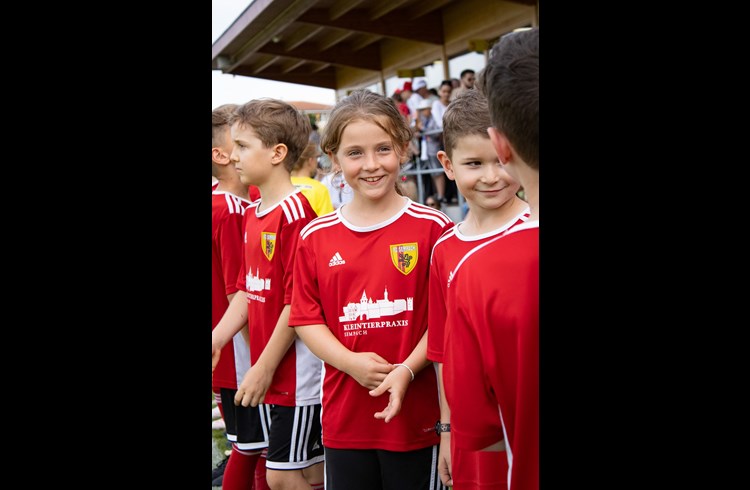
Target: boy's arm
{"points": [[245, 333], [367, 368], [445, 468], [398, 380], [258, 378], [232, 322]]}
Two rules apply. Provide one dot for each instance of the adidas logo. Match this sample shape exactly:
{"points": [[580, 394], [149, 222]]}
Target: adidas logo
{"points": [[315, 446], [336, 260]]}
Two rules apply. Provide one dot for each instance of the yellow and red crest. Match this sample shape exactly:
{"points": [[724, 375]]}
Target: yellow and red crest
{"points": [[268, 243], [404, 256]]}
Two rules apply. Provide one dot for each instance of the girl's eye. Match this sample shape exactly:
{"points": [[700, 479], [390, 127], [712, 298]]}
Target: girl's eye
{"points": [[383, 149], [353, 153]]}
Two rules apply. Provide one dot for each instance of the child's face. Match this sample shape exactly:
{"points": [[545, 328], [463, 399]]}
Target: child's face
{"points": [[479, 175], [249, 156], [368, 160]]}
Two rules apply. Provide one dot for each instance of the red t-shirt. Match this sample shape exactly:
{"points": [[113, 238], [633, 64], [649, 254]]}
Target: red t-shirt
{"points": [[270, 239], [226, 260], [469, 468], [446, 253], [369, 285], [491, 358]]}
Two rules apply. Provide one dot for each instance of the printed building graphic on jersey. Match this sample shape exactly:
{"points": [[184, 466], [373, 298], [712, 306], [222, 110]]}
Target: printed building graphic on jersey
{"points": [[367, 309], [256, 283]]}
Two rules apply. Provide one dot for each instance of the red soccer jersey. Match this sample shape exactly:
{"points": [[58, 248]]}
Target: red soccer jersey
{"points": [[446, 253], [369, 285], [226, 260], [491, 358], [469, 468], [271, 238]]}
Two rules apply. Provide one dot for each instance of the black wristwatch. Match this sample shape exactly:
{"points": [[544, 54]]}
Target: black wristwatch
{"points": [[440, 428]]}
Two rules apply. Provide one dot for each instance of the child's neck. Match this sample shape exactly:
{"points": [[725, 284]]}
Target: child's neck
{"points": [[274, 190], [232, 186], [481, 221], [529, 179], [364, 212]]}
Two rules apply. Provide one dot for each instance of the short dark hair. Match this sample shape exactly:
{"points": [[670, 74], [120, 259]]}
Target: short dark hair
{"points": [[510, 81], [466, 71]]}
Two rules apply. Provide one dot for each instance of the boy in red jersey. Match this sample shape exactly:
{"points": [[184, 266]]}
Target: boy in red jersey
{"points": [[360, 304], [229, 201], [469, 159], [491, 356], [284, 377]]}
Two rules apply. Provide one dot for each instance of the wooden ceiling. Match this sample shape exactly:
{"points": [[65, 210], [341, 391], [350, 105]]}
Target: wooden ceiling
{"points": [[342, 44]]}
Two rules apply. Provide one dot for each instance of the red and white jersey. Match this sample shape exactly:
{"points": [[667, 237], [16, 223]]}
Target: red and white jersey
{"points": [[446, 253], [270, 239], [226, 260], [214, 185], [491, 358], [369, 285]]}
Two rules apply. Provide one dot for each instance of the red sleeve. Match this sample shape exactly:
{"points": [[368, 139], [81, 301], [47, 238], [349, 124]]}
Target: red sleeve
{"points": [[307, 308], [229, 245], [436, 310]]}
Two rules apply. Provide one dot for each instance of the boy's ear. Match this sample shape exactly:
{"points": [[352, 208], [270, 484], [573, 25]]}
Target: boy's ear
{"points": [[219, 156], [501, 145], [447, 164], [279, 153]]}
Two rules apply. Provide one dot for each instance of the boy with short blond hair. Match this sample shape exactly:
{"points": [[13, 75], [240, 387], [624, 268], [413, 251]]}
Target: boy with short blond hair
{"points": [[470, 160], [284, 377]]}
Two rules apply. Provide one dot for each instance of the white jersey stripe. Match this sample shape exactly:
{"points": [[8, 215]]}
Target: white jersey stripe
{"points": [[230, 203], [310, 229], [323, 219], [420, 208], [290, 205], [286, 212], [436, 219], [300, 207], [443, 238]]}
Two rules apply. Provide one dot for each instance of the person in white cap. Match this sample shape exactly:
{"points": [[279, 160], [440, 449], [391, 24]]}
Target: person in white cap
{"points": [[420, 93]]}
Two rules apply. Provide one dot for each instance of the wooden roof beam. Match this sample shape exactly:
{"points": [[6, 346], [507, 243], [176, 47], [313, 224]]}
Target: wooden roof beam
{"points": [[429, 29], [302, 35], [383, 8], [341, 7], [366, 59]]}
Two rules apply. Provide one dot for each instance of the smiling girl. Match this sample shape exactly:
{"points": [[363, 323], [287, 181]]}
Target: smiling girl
{"points": [[360, 304]]}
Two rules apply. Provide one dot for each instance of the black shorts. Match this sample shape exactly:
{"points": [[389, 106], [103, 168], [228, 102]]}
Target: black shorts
{"points": [[247, 427], [378, 469], [295, 441]]}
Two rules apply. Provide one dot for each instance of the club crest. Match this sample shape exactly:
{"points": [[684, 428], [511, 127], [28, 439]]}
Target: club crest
{"points": [[268, 243], [404, 256]]}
